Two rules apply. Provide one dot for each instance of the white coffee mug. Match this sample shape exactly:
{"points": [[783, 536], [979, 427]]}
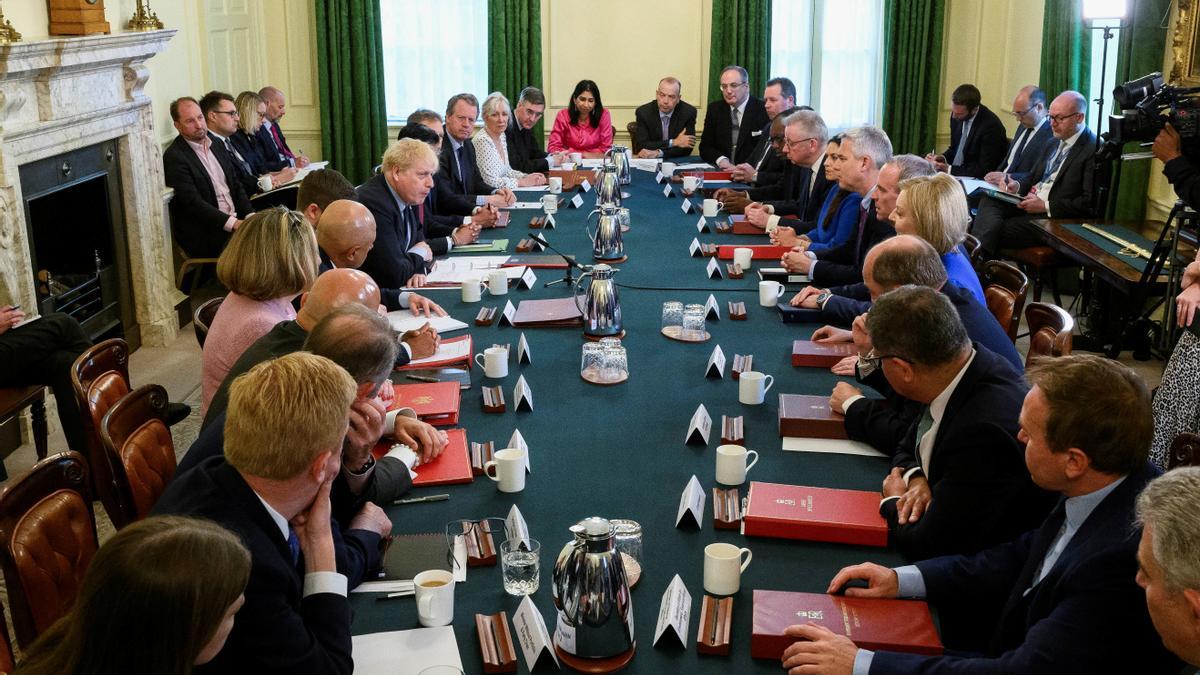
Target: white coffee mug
{"points": [[555, 184], [498, 282], [753, 387], [769, 293], [743, 257], [723, 567], [550, 202], [691, 184], [712, 207], [509, 465], [471, 289], [667, 168], [434, 591], [576, 157], [731, 464], [264, 183], [495, 361]]}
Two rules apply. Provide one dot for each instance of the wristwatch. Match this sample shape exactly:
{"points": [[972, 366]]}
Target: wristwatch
{"points": [[364, 468], [823, 297]]}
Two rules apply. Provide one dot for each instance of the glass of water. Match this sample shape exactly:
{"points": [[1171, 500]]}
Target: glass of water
{"points": [[693, 322], [672, 317], [519, 563]]}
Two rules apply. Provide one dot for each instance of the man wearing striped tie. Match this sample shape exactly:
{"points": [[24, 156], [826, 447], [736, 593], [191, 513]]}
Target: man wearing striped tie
{"points": [[270, 131]]}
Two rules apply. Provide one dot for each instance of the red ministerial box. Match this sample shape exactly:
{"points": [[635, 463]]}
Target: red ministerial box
{"points": [[814, 514], [872, 623], [434, 402], [810, 417], [451, 467], [809, 354], [761, 251]]}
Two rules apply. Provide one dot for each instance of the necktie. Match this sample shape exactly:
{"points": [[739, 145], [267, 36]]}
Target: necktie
{"points": [[858, 243], [734, 130], [237, 157], [458, 158], [283, 149], [962, 143], [924, 450], [666, 122], [406, 225], [1059, 155], [1044, 542], [1025, 134], [293, 546]]}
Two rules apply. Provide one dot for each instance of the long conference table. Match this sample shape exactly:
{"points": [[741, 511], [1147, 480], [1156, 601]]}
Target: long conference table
{"points": [[619, 451]]}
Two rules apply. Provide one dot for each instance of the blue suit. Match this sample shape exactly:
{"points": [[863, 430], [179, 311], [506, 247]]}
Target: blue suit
{"points": [[389, 263]]}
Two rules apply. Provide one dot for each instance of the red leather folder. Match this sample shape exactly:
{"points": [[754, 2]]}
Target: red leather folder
{"points": [[810, 417], [761, 251], [872, 623], [809, 354], [466, 360], [451, 467], [434, 402], [553, 313], [814, 514], [718, 175]]}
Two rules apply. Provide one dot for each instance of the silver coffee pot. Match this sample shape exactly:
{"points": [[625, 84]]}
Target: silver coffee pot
{"points": [[600, 306], [608, 186], [591, 593], [606, 242], [620, 158]]}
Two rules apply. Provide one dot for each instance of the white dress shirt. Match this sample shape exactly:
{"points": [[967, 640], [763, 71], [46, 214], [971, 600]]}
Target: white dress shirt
{"points": [[314, 582]]}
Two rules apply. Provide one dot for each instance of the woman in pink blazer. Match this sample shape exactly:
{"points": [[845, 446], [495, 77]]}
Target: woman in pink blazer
{"points": [[584, 126]]}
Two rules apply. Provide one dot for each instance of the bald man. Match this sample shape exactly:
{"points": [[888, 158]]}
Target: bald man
{"points": [[333, 289], [272, 135]]}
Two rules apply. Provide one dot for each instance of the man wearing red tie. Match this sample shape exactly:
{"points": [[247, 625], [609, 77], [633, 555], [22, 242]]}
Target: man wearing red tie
{"points": [[273, 135]]}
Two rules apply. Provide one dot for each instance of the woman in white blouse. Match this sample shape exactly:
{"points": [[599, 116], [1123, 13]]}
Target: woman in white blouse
{"points": [[491, 148]]}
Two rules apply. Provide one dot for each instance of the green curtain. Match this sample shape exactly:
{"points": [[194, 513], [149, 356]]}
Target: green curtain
{"points": [[741, 36], [1142, 43], [1066, 48], [912, 72], [350, 77], [515, 46]]}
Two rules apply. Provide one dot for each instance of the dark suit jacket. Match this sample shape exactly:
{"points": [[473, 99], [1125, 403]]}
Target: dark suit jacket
{"points": [[1086, 616], [976, 464], [1073, 194], [714, 143], [770, 165], [274, 160], [1031, 153], [241, 169], [525, 151], [388, 481], [649, 129], [986, 144], [278, 630], [435, 225], [389, 263], [784, 192], [196, 222], [252, 150], [843, 264], [471, 182]]}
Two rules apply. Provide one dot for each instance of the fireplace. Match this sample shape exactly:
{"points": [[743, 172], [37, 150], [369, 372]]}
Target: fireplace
{"points": [[77, 243]]}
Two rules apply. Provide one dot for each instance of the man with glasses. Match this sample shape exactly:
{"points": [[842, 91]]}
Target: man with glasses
{"points": [[221, 117], [457, 161], [977, 136], [732, 124], [666, 126], [1060, 185], [803, 182], [525, 152], [1031, 138]]}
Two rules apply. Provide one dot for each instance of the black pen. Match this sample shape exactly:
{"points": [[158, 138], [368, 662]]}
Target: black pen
{"points": [[421, 378], [421, 500]]}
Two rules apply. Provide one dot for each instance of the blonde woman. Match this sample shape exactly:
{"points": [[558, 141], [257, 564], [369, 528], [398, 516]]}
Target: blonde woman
{"points": [[270, 260], [934, 208], [252, 109], [491, 148]]}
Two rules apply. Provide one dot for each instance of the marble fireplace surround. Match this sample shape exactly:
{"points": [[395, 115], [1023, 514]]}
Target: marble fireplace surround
{"points": [[63, 94]]}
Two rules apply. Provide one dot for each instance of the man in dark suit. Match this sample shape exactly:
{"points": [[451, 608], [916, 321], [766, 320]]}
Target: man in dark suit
{"points": [[1031, 139], [525, 151], [977, 136], [283, 447], [209, 202], [764, 167], [401, 255], [457, 162], [666, 126], [318, 190], [1061, 184], [272, 134], [362, 342], [801, 188], [443, 231], [1057, 599], [733, 123], [863, 152], [221, 118]]}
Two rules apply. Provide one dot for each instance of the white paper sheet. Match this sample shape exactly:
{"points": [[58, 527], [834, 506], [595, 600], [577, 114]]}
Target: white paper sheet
{"points": [[592, 163], [403, 320], [523, 205], [405, 652], [644, 164], [841, 447], [447, 351], [453, 271]]}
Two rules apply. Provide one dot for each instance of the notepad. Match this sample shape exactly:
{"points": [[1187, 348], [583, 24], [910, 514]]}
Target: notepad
{"points": [[449, 351], [403, 320], [493, 246], [405, 651]]}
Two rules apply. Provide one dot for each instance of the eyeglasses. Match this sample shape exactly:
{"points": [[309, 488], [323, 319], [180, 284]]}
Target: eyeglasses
{"points": [[1021, 113], [788, 144], [231, 113], [873, 360], [731, 87], [1063, 118]]}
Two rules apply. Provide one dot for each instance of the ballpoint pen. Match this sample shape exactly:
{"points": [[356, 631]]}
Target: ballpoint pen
{"points": [[422, 500]]}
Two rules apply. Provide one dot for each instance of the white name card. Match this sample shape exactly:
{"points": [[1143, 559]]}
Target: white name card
{"points": [[685, 206], [518, 441], [585, 186], [702, 224], [712, 309], [523, 356], [716, 365], [549, 225], [515, 527], [527, 280], [506, 317], [691, 504], [694, 249], [674, 613], [522, 396], [714, 269], [576, 201], [698, 427], [532, 634], [667, 191], [658, 177]]}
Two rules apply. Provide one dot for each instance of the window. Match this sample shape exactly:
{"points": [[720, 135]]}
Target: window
{"points": [[832, 50], [432, 51], [1094, 72]]}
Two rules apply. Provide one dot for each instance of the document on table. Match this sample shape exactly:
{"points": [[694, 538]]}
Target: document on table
{"points": [[645, 164], [692, 167], [523, 205], [972, 184], [595, 163], [403, 320], [451, 272], [840, 447], [405, 652], [456, 350], [300, 174]]}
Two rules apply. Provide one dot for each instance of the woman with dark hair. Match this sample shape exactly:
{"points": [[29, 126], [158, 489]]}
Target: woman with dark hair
{"points": [[585, 125], [158, 598]]}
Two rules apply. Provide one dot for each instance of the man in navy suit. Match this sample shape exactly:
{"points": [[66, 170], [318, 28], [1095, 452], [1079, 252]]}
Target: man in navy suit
{"points": [[283, 448], [401, 255], [977, 136], [732, 123], [1031, 139], [271, 133], [1058, 599], [458, 166], [666, 126]]}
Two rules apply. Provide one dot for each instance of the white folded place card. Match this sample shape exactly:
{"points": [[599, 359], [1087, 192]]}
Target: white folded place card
{"points": [[460, 558], [585, 186], [518, 441], [528, 279], [716, 364], [685, 206], [523, 356], [667, 191], [699, 427], [694, 249], [506, 317], [515, 526], [714, 269], [674, 613], [576, 201], [702, 224], [712, 309], [549, 224], [658, 177], [531, 632], [691, 503], [537, 245], [522, 396]]}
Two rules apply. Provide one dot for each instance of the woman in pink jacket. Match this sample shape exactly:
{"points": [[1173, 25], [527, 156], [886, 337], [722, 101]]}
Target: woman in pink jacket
{"points": [[584, 126]]}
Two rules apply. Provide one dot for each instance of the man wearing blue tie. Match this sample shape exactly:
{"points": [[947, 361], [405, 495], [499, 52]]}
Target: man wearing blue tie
{"points": [[401, 255]]}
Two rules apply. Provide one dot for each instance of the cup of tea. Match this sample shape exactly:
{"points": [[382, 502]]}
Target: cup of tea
{"points": [[712, 207], [434, 591], [507, 469], [691, 184], [555, 183], [667, 168], [576, 157], [723, 567], [753, 387], [743, 257], [769, 293], [731, 464], [495, 361], [264, 183], [498, 282], [550, 203], [471, 289]]}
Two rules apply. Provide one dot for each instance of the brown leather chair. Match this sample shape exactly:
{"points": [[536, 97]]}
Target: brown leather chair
{"points": [[47, 540], [1185, 451], [1050, 329], [139, 449], [1005, 287], [8, 662], [15, 399], [101, 377], [971, 245], [632, 129], [1041, 263], [203, 317]]}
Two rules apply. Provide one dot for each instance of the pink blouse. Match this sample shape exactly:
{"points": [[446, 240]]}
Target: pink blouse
{"points": [[239, 323], [568, 137]]}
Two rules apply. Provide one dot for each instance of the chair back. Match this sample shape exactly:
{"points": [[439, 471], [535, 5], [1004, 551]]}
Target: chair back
{"points": [[1006, 288], [970, 246], [202, 318], [1050, 329], [100, 377], [47, 540], [1185, 451], [633, 143], [8, 661], [139, 448]]}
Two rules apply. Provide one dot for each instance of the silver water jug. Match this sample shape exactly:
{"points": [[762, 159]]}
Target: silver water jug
{"points": [[600, 306], [591, 593], [608, 187], [606, 242], [619, 156]]}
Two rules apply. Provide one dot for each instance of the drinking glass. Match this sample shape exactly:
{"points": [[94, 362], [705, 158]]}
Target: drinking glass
{"points": [[593, 360], [615, 363], [623, 216], [693, 322], [519, 565], [627, 536], [672, 316]]}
